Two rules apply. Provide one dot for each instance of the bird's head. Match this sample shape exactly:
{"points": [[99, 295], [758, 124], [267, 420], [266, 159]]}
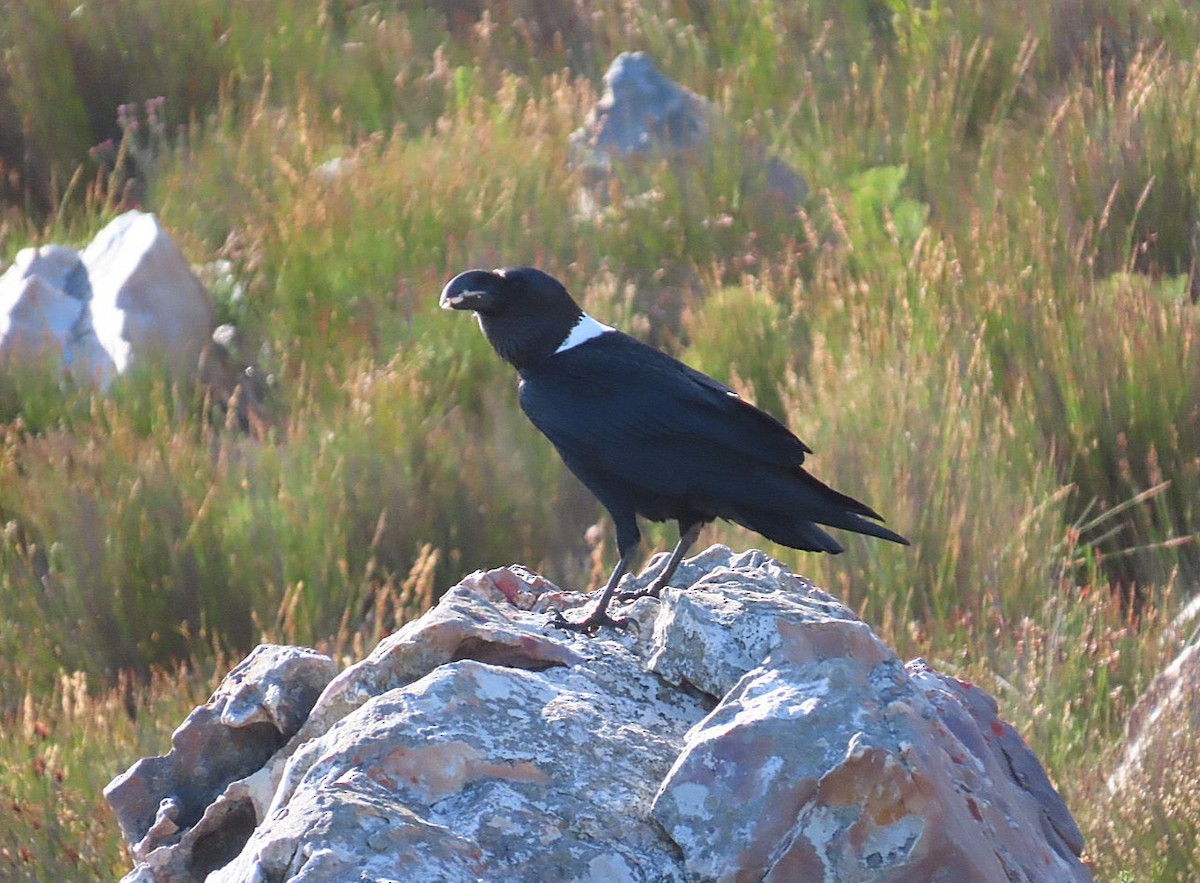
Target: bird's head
{"points": [[524, 312]]}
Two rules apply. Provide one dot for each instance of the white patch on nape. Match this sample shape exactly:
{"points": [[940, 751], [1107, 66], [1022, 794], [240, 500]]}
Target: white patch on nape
{"points": [[583, 331]]}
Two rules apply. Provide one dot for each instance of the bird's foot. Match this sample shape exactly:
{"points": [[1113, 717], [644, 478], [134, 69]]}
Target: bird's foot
{"points": [[651, 591], [590, 624]]}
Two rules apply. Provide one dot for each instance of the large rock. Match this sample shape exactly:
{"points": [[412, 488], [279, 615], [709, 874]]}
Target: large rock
{"points": [[147, 305], [644, 116], [129, 299], [747, 728]]}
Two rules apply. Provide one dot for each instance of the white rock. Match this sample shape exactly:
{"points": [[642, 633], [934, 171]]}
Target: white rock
{"points": [[129, 298], [754, 729], [44, 317], [147, 305], [1160, 734]]}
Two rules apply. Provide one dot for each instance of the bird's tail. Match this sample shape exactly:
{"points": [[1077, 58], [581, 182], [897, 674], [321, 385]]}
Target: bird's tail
{"points": [[814, 502]]}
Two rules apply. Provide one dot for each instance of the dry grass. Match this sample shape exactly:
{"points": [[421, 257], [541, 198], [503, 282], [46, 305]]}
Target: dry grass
{"points": [[983, 321]]}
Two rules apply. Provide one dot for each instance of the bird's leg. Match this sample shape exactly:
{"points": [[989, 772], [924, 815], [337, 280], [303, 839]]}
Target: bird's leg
{"points": [[688, 534], [599, 614]]}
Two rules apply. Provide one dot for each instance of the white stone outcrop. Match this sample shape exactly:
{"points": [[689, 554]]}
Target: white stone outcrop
{"points": [[128, 299], [748, 727], [45, 320]]}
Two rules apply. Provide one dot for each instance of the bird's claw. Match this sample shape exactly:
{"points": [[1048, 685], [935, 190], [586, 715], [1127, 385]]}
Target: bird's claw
{"points": [[590, 624]]}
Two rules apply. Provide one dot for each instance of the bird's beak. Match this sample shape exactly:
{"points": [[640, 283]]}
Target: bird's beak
{"points": [[468, 291], [455, 300], [459, 300]]}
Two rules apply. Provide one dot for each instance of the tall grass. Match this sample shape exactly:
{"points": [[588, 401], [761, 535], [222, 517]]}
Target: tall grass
{"points": [[62, 744], [982, 320]]}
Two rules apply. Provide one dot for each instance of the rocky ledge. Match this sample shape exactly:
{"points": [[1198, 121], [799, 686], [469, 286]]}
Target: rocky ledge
{"points": [[746, 728]]}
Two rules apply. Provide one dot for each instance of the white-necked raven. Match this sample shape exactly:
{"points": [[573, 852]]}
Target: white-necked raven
{"points": [[647, 434]]}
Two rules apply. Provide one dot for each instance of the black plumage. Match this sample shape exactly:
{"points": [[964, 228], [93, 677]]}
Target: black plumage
{"points": [[648, 435]]}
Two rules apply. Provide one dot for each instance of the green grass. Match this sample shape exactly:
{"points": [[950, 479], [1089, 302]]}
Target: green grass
{"points": [[983, 321]]}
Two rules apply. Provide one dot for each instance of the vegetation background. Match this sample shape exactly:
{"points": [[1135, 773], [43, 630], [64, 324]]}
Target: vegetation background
{"points": [[984, 322]]}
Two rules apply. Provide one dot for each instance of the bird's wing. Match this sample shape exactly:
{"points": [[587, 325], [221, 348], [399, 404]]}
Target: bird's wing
{"points": [[772, 440], [621, 407]]}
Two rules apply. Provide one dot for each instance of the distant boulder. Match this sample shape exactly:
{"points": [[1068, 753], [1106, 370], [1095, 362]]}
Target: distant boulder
{"points": [[752, 728], [45, 316], [128, 299], [644, 116], [641, 112], [147, 305]]}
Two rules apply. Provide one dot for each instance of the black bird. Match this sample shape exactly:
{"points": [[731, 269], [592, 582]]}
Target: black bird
{"points": [[647, 434]]}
